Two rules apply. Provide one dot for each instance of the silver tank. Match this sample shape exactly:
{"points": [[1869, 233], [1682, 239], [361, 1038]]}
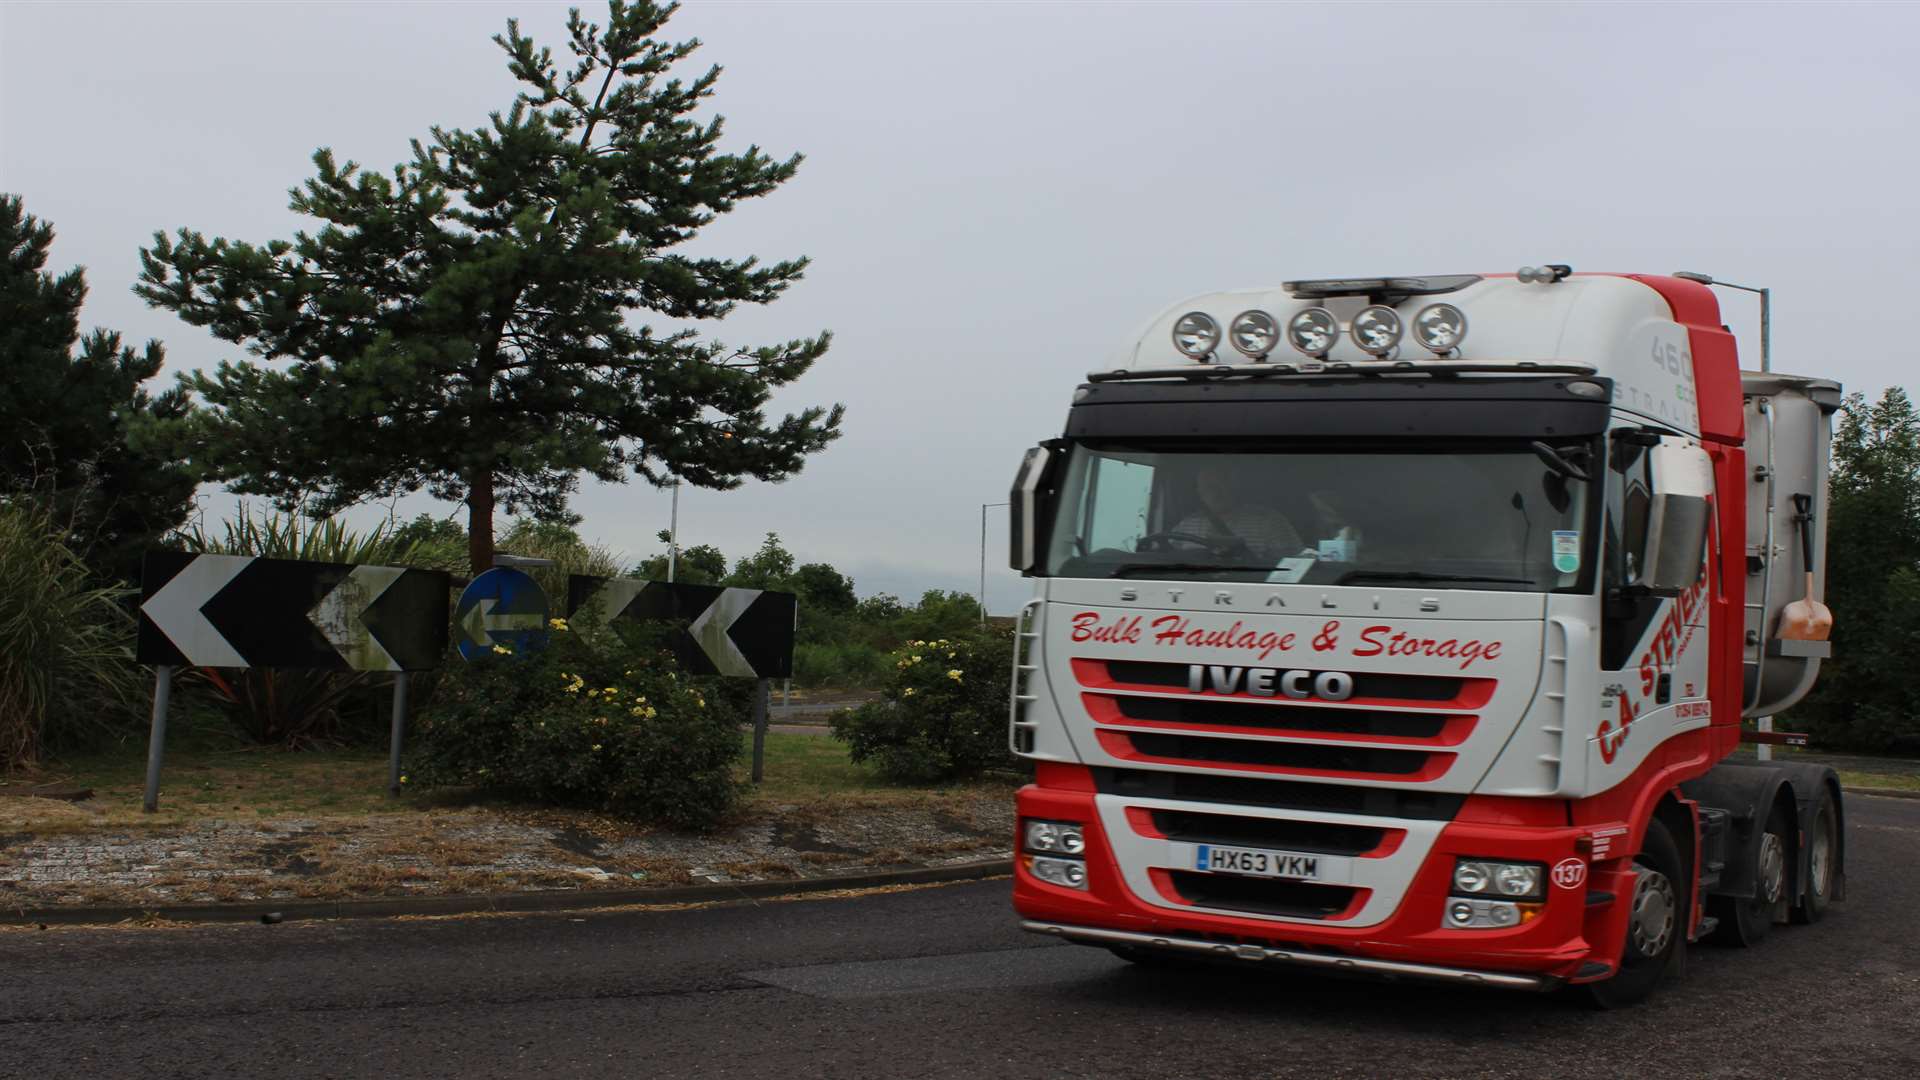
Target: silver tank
{"points": [[1789, 439]]}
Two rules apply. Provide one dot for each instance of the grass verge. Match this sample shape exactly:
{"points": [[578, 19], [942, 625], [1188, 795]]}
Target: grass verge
{"points": [[1889, 781], [805, 771]]}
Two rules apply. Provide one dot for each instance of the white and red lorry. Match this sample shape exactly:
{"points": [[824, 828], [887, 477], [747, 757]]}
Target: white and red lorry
{"points": [[1405, 626]]}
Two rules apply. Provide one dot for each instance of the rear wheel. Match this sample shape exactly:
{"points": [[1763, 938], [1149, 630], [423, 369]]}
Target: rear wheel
{"points": [[1655, 923], [1746, 920], [1823, 861]]}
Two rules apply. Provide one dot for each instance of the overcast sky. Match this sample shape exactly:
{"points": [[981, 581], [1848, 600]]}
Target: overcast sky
{"points": [[997, 195]]}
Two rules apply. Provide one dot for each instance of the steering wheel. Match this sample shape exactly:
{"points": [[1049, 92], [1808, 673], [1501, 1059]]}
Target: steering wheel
{"points": [[1159, 541]]}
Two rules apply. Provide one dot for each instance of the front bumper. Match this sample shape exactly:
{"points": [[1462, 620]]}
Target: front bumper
{"points": [[1576, 937], [1090, 935]]}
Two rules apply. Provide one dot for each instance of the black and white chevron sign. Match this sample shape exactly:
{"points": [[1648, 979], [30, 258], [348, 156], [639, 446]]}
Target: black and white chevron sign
{"points": [[741, 632], [240, 611]]}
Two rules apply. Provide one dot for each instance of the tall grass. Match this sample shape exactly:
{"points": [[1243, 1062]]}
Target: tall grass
{"points": [[67, 675], [299, 709]]}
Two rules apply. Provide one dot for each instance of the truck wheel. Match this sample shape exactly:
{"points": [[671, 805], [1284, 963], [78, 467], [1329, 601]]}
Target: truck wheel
{"points": [[1745, 921], [1823, 855], [1654, 923]]}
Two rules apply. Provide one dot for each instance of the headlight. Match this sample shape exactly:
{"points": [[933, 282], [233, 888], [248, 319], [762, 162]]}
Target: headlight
{"points": [[1254, 333], [1313, 331], [1377, 329], [1439, 328], [1064, 837], [1517, 879], [1071, 873], [1483, 877], [1196, 335]]}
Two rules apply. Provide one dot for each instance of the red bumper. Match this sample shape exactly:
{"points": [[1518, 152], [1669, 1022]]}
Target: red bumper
{"points": [[1576, 937]]}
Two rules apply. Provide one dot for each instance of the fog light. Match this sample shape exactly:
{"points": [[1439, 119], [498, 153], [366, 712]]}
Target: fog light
{"points": [[1313, 331], [1440, 328], [1488, 914], [1196, 335], [1377, 329], [1059, 836], [1068, 873], [1254, 333]]}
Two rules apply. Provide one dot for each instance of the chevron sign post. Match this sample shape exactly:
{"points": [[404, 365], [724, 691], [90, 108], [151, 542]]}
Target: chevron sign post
{"points": [[743, 633], [236, 611]]}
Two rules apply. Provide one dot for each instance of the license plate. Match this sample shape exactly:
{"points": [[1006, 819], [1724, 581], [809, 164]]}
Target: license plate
{"points": [[1259, 862]]}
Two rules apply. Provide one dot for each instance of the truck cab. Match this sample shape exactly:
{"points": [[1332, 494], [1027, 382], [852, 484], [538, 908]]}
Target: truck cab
{"points": [[1402, 625]]}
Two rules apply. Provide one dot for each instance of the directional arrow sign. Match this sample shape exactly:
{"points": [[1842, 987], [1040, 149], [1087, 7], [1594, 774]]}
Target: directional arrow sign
{"points": [[740, 632], [239, 611], [501, 607]]}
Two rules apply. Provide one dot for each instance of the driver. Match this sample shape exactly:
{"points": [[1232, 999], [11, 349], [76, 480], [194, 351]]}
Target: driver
{"points": [[1230, 513]]}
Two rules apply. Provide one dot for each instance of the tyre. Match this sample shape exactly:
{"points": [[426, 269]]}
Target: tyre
{"points": [[1745, 921], [1823, 861], [1656, 923]]}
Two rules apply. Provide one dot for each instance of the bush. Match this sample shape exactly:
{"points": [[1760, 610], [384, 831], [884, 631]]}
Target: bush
{"points": [[604, 726], [942, 713], [67, 676], [852, 664]]}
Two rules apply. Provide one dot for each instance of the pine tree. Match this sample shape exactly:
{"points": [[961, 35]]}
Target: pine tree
{"points": [[81, 434], [461, 325]]}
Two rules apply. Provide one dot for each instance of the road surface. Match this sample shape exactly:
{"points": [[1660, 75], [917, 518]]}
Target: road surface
{"points": [[926, 983]]}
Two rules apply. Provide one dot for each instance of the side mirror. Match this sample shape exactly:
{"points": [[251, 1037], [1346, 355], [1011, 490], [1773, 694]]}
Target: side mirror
{"points": [[1023, 510], [1677, 521]]}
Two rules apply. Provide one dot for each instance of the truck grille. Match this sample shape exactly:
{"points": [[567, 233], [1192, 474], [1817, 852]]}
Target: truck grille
{"points": [[1358, 761], [1369, 688], [1296, 899], [1225, 714], [1324, 837], [1277, 794]]}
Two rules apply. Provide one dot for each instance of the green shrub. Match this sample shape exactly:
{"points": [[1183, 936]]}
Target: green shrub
{"points": [[67, 676], [849, 664], [942, 713], [607, 725]]}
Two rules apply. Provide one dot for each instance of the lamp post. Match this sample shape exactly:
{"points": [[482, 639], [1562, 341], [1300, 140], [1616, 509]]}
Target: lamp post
{"points": [[984, 507], [1766, 313], [673, 532]]}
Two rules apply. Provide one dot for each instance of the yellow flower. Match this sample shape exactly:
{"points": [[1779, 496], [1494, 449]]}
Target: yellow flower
{"points": [[954, 674], [502, 650], [610, 691], [914, 660], [908, 692], [403, 778], [596, 746], [557, 624], [593, 693]]}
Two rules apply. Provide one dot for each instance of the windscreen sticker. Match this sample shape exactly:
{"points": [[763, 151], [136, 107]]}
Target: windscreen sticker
{"points": [[1566, 550]]}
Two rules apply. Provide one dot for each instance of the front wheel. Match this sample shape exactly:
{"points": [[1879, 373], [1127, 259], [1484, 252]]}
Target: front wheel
{"points": [[1655, 926]]}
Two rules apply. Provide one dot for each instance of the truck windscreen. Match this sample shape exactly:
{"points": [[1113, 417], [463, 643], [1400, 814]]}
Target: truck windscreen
{"points": [[1511, 516]]}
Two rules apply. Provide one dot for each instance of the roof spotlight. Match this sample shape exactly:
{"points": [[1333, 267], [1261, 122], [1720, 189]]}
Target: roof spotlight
{"points": [[1439, 328], [1196, 335], [1313, 331], [1254, 333], [1377, 329]]}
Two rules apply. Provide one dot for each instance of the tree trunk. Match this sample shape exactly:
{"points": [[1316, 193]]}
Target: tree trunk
{"points": [[480, 523]]}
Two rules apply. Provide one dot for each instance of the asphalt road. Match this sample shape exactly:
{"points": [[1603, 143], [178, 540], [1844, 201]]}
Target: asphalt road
{"points": [[934, 982]]}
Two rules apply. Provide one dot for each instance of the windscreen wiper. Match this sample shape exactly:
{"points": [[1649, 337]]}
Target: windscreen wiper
{"points": [[1422, 575], [1129, 569]]}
